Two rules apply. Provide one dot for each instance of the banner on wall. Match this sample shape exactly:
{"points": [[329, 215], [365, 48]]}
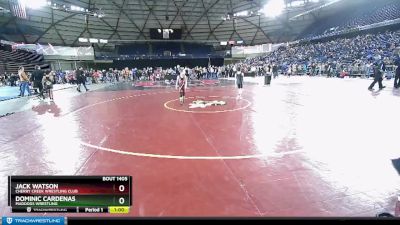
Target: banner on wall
{"points": [[66, 53], [256, 49], [51, 52]]}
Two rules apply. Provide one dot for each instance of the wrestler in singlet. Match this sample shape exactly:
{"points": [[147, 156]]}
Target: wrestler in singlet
{"points": [[181, 86]]}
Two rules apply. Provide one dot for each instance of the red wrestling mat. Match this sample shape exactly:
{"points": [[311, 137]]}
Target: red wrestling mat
{"points": [[145, 84], [275, 152], [210, 82]]}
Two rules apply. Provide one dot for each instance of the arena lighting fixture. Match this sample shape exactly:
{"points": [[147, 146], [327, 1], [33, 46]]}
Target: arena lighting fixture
{"points": [[77, 8], [33, 4], [165, 30], [297, 3], [273, 8], [224, 43], [103, 41], [242, 13], [83, 40], [4, 10], [93, 40], [73, 8], [239, 42]]}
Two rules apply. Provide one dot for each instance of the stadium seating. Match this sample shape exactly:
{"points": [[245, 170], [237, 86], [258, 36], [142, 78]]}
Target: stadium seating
{"points": [[353, 55], [10, 61], [160, 47], [374, 12], [157, 50], [133, 49], [197, 49]]}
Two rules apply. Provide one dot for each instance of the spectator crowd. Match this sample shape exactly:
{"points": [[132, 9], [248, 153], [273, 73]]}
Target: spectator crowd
{"points": [[338, 57], [335, 58]]}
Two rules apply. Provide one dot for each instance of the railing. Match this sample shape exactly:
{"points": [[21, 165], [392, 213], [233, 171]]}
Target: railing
{"points": [[137, 57]]}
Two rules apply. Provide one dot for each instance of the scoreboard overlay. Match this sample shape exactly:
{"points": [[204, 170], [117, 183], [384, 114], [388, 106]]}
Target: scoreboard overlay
{"points": [[70, 194]]}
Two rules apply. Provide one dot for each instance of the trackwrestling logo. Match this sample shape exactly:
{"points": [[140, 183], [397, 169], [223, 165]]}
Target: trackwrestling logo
{"points": [[33, 220], [203, 104]]}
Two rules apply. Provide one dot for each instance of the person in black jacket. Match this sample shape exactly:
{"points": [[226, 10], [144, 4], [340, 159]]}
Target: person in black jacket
{"points": [[81, 79], [378, 76], [275, 70], [397, 77], [36, 78]]}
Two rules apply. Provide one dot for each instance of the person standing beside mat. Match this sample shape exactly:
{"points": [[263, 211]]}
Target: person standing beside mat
{"points": [[239, 75], [181, 85]]}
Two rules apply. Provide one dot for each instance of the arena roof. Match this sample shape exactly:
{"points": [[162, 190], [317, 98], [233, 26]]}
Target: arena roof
{"points": [[130, 20]]}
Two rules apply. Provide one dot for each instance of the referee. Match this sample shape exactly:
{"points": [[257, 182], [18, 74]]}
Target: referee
{"points": [[36, 78], [397, 75], [379, 67]]}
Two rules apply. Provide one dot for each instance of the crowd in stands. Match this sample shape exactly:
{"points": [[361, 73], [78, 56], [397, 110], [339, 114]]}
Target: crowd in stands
{"points": [[335, 58], [343, 56], [339, 57]]}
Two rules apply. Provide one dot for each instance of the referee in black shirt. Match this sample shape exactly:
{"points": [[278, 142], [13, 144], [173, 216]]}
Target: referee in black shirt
{"points": [[81, 79], [397, 75], [36, 78]]}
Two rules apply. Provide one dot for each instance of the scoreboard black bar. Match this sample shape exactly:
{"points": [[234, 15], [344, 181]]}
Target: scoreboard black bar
{"points": [[68, 179], [130, 192], [44, 210], [9, 190]]}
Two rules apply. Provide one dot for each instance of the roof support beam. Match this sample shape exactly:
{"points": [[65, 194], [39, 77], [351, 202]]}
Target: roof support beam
{"points": [[214, 29], [150, 8], [258, 27], [121, 9], [77, 38], [178, 13], [204, 13], [55, 28], [116, 28], [208, 22], [53, 24], [20, 32]]}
